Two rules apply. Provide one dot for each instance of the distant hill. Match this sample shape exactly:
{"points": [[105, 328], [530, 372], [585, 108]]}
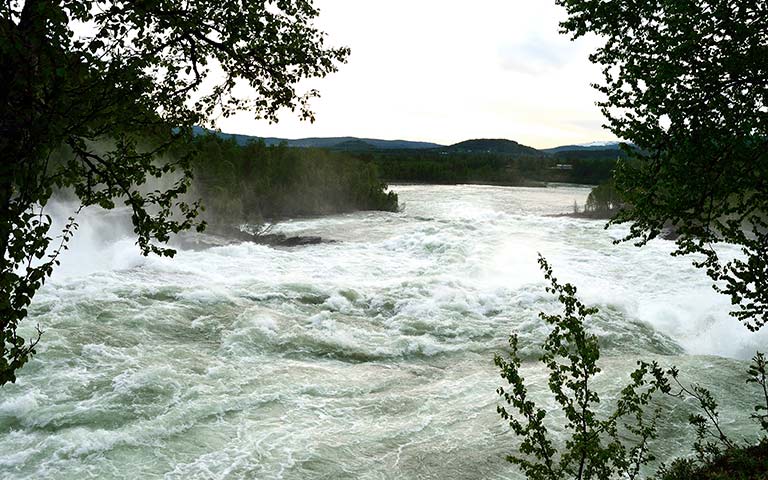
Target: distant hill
{"points": [[493, 146], [584, 147], [333, 143], [354, 145]]}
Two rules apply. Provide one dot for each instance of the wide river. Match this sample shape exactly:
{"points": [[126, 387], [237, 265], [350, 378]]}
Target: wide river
{"points": [[370, 357]]}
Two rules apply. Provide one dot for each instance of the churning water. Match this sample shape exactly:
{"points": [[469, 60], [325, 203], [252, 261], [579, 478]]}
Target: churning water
{"points": [[370, 357]]}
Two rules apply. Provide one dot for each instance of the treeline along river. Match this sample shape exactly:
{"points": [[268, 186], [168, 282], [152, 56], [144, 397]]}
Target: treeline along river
{"points": [[369, 357]]}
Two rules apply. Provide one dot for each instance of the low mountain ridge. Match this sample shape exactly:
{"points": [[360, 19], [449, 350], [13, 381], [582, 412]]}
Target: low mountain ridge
{"points": [[584, 147], [354, 145], [493, 146], [333, 143]]}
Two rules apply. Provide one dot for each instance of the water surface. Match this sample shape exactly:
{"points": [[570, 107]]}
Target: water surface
{"points": [[371, 357]]}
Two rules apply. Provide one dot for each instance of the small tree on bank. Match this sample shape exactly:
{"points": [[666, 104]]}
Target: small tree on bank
{"points": [[99, 82], [607, 446], [617, 444]]}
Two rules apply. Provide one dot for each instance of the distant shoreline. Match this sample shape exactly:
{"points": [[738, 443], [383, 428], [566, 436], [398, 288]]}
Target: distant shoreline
{"points": [[527, 184]]}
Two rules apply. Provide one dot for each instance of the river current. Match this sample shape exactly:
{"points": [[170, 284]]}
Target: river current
{"points": [[370, 357]]}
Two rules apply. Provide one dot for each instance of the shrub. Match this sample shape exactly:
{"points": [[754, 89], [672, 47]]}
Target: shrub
{"points": [[599, 446]]}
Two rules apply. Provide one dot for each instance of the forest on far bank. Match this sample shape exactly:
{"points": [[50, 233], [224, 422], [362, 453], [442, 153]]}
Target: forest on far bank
{"points": [[430, 166], [254, 183], [485, 161]]}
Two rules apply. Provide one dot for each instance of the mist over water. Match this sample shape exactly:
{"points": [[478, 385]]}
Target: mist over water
{"points": [[366, 358]]}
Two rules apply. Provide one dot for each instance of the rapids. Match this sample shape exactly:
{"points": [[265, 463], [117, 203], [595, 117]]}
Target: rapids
{"points": [[367, 358]]}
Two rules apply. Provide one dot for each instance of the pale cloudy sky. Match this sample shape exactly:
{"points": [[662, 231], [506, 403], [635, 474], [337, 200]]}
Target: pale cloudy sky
{"points": [[446, 71]]}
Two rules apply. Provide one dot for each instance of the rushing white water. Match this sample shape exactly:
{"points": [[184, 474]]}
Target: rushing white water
{"points": [[366, 358]]}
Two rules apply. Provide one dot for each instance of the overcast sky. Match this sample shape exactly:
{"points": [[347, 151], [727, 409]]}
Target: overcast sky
{"points": [[446, 71]]}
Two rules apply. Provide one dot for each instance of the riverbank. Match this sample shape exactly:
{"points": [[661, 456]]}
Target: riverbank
{"points": [[525, 183], [739, 463], [253, 183]]}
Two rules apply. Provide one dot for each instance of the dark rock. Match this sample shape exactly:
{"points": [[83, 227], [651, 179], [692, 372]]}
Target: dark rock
{"points": [[669, 232], [298, 241], [219, 235]]}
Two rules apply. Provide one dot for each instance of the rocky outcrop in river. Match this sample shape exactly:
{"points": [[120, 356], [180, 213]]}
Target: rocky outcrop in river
{"points": [[220, 235]]}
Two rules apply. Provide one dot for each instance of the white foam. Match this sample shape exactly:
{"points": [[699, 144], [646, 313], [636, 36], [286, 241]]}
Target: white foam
{"points": [[245, 360]]}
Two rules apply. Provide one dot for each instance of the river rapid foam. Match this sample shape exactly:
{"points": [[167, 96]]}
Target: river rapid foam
{"points": [[371, 357]]}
